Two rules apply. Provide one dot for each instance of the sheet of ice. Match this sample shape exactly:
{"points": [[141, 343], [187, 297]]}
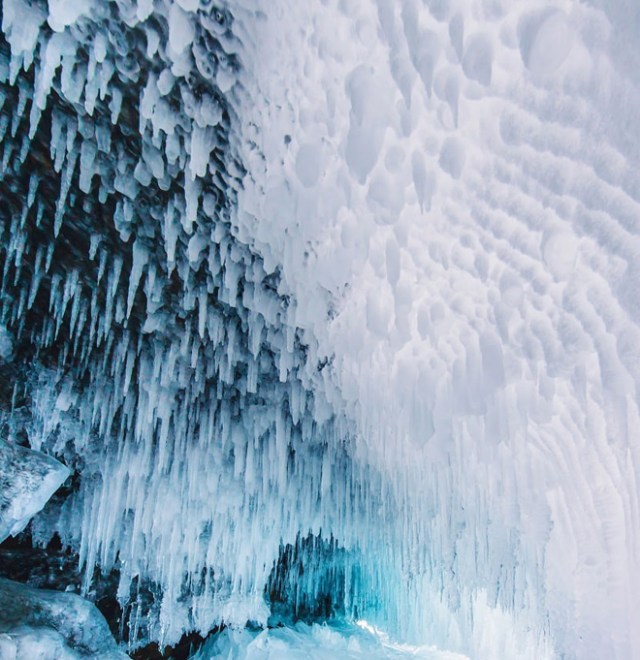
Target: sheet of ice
{"points": [[48, 625], [315, 642]]}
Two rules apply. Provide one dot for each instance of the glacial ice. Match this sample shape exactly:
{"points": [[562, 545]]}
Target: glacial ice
{"points": [[359, 272]]}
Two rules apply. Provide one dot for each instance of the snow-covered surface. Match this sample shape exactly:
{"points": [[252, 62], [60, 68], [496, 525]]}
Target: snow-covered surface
{"points": [[27, 480], [315, 642], [378, 278], [37, 624]]}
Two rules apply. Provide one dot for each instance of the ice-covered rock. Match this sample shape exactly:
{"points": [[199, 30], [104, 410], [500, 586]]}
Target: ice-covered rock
{"points": [[39, 624], [36, 643], [27, 480]]}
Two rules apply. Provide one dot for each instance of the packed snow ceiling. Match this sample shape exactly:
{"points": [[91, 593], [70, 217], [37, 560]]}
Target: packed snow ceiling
{"points": [[350, 285]]}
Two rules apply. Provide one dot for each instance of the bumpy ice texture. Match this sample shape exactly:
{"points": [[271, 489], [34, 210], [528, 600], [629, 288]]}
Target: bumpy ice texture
{"points": [[315, 642]]}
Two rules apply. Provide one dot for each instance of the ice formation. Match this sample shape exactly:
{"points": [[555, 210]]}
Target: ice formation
{"points": [[358, 641], [27, 481], [349, 284], [47, 625]]}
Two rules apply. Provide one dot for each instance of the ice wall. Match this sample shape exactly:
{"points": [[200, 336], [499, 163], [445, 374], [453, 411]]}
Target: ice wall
{"points": [[460, 176], [359, 268]]}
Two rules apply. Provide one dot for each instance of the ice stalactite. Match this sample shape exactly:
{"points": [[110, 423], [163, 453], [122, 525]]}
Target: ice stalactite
{"points": [[173, 377]]}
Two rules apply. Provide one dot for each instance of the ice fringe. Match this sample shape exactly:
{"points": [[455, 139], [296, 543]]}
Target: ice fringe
{"points": [[177, 380]]}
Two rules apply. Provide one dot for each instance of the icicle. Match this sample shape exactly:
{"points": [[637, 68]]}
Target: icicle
{"points": [[51, 60], [23, 97], [88, 151], [38, 273], [67, 175], [140, 259], [115, 105], [34, 180], [4, 124]]}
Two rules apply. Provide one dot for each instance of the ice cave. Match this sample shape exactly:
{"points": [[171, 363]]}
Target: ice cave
{"points": [[320, 329]]}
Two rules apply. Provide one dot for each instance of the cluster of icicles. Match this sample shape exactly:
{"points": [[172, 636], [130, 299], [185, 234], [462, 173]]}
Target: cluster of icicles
{"points": [[172, 377]]}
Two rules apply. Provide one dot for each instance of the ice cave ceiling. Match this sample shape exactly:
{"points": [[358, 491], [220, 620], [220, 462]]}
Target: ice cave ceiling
{"points": [[320, 312]]}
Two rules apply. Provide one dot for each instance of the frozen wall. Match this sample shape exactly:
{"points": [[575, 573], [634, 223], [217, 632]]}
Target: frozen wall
{"points": [[366, 269], [471, 167]]}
